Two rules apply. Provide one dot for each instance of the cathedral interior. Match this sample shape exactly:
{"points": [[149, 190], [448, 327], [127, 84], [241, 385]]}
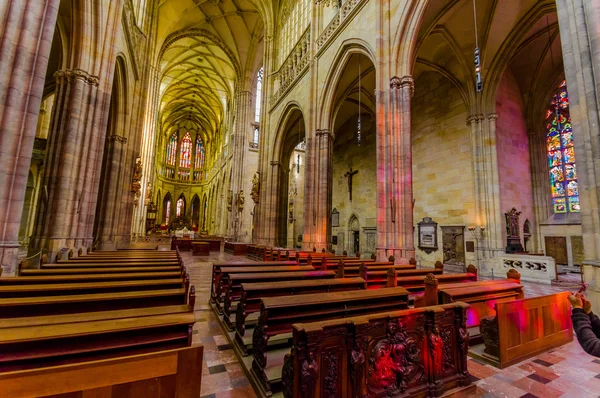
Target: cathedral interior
{"points": [[190, 188]]}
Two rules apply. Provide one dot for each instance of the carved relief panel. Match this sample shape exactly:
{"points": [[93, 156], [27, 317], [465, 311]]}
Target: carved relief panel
{"points": [[453, 245]]}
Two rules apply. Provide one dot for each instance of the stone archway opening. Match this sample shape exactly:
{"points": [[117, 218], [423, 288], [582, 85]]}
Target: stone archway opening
{"points": [[354, 159]]}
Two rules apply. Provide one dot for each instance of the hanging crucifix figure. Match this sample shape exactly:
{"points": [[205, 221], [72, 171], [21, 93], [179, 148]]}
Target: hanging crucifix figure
{"points": [[349, 175]]}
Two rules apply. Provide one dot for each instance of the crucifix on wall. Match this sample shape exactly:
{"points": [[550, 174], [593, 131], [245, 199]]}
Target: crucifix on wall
{"points": [[349, 175]]}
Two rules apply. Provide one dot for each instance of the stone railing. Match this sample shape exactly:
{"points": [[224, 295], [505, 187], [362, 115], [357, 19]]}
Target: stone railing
{"points": [[292, 67], [341, 17], [541, 269]]}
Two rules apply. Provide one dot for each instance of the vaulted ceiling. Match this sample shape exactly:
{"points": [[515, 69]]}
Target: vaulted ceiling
{"points": [[208, 47], [520, 36]]}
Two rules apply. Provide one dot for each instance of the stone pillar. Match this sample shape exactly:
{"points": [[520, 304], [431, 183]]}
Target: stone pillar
{"points": [[239, 149], [70, 163], [394, 176], [539, 177], [109, 221], [27, 31], [580, 39], [486, 189], [321, 237]]}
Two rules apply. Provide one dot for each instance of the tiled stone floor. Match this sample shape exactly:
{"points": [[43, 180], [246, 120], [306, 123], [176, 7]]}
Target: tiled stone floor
{"points": [[564, 372]]}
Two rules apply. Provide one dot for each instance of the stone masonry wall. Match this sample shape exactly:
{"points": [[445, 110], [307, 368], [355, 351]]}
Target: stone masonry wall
{"points": [[442, 168], [513, 153]]}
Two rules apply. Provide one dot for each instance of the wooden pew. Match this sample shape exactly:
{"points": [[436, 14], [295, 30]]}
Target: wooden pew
{"points": [[524, 328], [63, 289], [411, 279], [352, 267], [112, 264], [95, 270], [52, 340], [70, 304], [481, 295], [106, 261], [200, 248], [132, 254], [233, 289], [78, 278], [175, 373], [214, 244], [352, 357], [252, 293], [236, 248], [222, 279], [216, 270], [278, 314]]}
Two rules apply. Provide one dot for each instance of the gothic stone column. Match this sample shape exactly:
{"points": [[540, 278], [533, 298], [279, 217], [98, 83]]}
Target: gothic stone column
{"points": [[108, 215], [322, 198], [394, 175], [69, 162], [580, 39], [28, 28]]}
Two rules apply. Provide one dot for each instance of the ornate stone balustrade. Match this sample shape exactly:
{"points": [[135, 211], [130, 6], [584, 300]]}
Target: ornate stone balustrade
{"points": [[541, 269], [347, 11], [292, 67]]}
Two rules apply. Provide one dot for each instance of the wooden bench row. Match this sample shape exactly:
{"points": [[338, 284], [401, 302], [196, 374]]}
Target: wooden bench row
{"points": [[74, 319]]}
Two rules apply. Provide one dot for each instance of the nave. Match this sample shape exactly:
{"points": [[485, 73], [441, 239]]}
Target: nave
{"points": [[565, 371]]}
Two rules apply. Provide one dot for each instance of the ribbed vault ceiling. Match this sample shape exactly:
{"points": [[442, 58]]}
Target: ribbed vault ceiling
{"points": [[518, 35], [206, 48]]}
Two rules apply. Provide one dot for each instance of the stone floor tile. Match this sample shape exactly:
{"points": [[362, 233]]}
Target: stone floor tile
{"points": [[537, 388]]}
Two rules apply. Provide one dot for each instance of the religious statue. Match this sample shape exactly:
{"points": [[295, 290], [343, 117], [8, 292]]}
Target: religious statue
{"points": [[137, 177], [291, 210], [240, 201], [136, 185], [513, 236], [229, 200], [254, 194], [148, 199]]}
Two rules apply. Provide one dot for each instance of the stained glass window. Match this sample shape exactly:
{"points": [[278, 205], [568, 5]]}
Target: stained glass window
{"points": [[172, 150], [180, 205], [199, 159], [167, 212], [185, 157], [561, 154]]}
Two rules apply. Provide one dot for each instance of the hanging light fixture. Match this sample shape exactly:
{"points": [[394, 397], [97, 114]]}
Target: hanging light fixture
{"points": [[478, 80], [358, 135]]}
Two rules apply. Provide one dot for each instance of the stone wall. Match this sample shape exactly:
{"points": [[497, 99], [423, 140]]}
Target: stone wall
{"points": [[347, 154], [442, 168], [513, 153]]}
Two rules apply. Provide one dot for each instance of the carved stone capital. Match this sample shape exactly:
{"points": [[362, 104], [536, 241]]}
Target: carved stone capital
{"points": [[324, 133], [474, 119], [492, 117], [76, 74], [395, 82], [275, 163]]}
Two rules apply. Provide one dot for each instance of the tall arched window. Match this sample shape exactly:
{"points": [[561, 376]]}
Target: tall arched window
{"points": [[185, 157], [561, 154], [180, 207], [259, 81], [172, 150], [199, 159], [167, 212]]}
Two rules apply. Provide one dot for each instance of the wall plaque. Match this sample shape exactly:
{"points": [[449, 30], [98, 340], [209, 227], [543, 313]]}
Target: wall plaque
{"points": [[470, 246], [577, 245], [335, 218], [428, 235]]}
